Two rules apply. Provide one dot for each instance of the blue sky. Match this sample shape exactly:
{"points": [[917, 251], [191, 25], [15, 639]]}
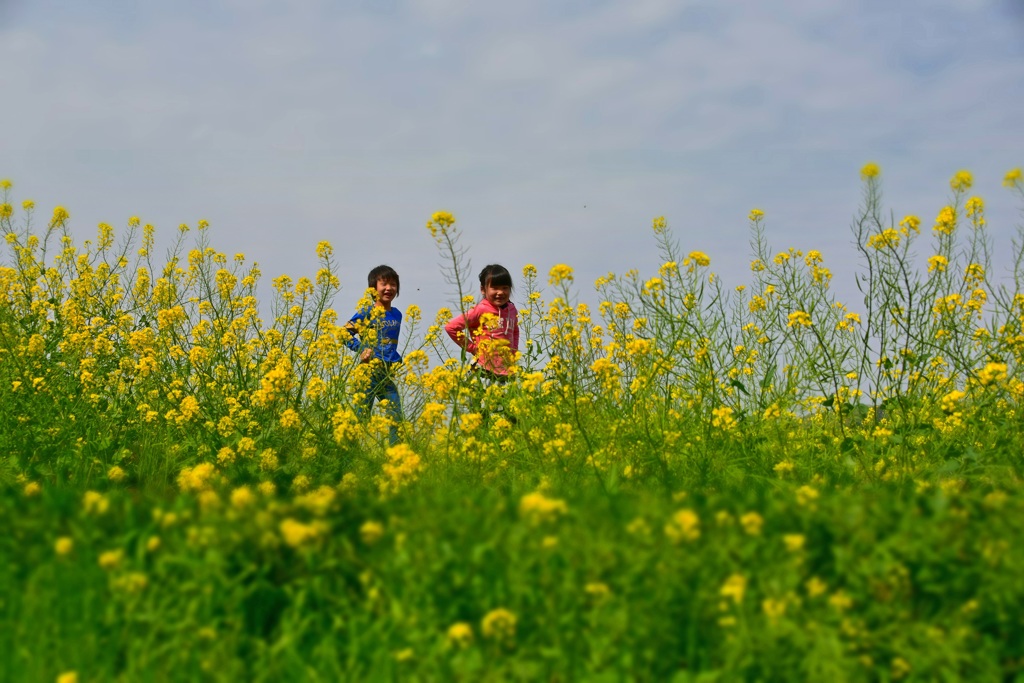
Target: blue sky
{"points": [[554, 131]]}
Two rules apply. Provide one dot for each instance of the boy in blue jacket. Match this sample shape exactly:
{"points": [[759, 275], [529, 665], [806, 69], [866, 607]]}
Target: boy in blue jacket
{"points": [[382, 355]]}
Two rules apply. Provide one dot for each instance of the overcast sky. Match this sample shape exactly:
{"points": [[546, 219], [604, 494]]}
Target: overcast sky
{"points": [[554, 131]]}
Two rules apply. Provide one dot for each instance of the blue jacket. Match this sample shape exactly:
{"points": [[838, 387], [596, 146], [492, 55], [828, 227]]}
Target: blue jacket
{"points": [[387, 327]]}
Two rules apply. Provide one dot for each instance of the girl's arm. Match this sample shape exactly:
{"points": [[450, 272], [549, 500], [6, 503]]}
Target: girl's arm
{"points": [[515, 328], [460, 329]]}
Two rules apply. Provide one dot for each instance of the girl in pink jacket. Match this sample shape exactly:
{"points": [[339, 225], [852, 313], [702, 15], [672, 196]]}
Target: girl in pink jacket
{"points": [[490, 330]]}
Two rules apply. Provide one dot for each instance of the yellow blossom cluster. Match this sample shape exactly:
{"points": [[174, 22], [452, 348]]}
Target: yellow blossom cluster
{"points": [[403, 466], [538, 509], [499, 625], [683, 526]]}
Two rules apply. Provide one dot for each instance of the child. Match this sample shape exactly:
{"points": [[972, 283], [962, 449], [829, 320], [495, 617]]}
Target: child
{"points": [[383, 356], [490, 330]]}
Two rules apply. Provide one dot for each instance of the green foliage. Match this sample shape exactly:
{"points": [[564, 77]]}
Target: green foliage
{"points": [[691, 483]]}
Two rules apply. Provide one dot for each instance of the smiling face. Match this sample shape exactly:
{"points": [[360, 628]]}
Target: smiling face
{"points": [[497, 295], [387, 290]]}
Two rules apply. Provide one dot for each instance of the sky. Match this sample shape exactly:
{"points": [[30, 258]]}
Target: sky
{"points": [[554, 131]]}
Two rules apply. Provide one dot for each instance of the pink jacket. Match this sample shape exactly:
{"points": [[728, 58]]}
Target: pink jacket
{"points": [[485, 338]]}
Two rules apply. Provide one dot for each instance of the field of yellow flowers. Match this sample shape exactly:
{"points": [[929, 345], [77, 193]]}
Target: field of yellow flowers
{"points": [[689, 482]]}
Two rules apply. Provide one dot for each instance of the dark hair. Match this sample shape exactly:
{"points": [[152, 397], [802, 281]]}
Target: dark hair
{"points": [[385, 273], [495, 276]]}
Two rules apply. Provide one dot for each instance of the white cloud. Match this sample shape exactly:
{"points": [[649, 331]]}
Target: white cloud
{"points": [[286, 124]]}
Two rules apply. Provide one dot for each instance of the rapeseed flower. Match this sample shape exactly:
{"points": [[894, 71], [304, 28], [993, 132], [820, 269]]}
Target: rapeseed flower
{"points": [[752, 523], [63, 545], [806, 495], [684, 525], [538, 509], [820, 274], [783, 467], [60, 217], [598, 591], [639, 527], [840, 601], [653, 285], [209, 500], [910, 224], [289, 419], [869, 170], [346, 425], [886, 239], [899, 668], [319, 501], [460, 634], [499, 625], [132, 582], [559, 274], [371, 531], [962, 180], [734, 588], [470, 422], [196, 478], [794, 542], [773, 609], [401, 469], [722, 418], [324, 250], [268, 459], [937, 263], [242, 497], [111, 559], [297, 534], [945, 222], [992, 373], [799, 319], [443, 218], [975, 208], [94, 503], [1013, 178], [698, 258], [815, 587]]}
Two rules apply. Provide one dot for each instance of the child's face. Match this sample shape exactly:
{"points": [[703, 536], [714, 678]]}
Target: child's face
{"points": [[496, 295], [387, 290]]}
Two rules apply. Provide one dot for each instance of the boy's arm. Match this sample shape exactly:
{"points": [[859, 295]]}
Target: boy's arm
{"points": [[353, 331]]}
